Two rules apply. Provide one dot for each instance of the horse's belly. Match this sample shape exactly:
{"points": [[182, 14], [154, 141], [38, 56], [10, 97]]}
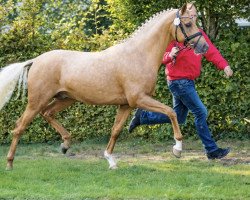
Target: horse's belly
{"points": [[96, 97]]}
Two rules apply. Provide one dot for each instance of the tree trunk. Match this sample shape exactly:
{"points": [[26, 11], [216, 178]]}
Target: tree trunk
{"points": [[209, 21]]}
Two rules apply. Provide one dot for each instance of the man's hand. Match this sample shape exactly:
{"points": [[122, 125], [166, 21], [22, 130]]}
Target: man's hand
{"points": [[228, 71], [174, 52]]}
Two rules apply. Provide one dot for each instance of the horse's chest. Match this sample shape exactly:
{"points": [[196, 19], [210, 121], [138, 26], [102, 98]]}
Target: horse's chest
{"points": [[143, 83]]}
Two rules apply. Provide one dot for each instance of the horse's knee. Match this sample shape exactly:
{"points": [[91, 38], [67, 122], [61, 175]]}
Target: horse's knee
{"points": [[172, 114]]}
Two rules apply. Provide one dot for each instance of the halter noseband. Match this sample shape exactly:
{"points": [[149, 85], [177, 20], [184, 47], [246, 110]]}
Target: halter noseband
{"points": [[187, 38]]}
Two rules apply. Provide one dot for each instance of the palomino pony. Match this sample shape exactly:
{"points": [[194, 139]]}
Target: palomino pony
{"points": [[124, 75]]}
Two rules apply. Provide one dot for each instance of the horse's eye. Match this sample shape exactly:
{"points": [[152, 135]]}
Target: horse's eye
{"points": [[188, 25]]}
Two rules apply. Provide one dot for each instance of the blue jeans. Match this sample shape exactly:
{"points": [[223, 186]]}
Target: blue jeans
{"points": [[185, 98]]}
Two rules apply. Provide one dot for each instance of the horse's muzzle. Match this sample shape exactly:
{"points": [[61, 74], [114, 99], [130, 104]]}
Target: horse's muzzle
{"points": [[201, 48]]}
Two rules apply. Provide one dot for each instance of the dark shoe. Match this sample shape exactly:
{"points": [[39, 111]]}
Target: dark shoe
{"points": [[218, 154], [135, 120]]}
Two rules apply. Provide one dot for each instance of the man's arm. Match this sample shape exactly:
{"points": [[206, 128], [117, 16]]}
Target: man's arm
{"points": [[213, 55]]}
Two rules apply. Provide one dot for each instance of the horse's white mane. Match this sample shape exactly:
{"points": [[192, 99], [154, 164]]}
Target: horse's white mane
{"points": [[153, 18]]}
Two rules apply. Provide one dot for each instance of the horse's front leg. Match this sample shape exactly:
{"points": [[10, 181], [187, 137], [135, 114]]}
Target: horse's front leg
{"points": [[148, 103], [121, 116]]}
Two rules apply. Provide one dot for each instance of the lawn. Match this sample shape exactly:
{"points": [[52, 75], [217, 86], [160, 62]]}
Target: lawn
{"points": [[146, 171]]}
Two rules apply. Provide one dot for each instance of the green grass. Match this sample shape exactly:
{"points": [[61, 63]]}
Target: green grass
{"points": [[146, 171]]}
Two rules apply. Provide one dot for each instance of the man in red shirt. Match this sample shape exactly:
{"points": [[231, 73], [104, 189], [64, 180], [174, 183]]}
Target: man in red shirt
{"points": [[183, 66]]}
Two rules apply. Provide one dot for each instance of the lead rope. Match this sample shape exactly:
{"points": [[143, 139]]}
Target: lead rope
{"points": [[180, 49]]}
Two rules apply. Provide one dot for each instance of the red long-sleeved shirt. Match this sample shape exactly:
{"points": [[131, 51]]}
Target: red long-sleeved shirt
{"points": [[187, 64]]}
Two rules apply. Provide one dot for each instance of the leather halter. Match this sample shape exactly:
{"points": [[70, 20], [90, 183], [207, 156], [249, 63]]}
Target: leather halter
{"points": [[187, 38]]}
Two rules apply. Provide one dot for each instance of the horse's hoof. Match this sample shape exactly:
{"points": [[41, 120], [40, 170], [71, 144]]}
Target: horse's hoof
{"points": [[111, 160], [64, 149], [176, 152], [113, 167], [9, 167]]}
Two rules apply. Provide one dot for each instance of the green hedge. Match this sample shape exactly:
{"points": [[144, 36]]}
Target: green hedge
{"points": [[227, 100]]}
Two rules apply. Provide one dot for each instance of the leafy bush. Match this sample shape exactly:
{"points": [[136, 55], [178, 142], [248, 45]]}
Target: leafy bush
{"points": [[227, 100]]}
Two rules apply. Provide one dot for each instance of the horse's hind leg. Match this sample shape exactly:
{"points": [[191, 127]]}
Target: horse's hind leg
{"points": [[122, 115], [21, 124], [49, 115]]}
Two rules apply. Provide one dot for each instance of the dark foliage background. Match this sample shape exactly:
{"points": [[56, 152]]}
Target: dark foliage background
{"points": [[31, 27]]}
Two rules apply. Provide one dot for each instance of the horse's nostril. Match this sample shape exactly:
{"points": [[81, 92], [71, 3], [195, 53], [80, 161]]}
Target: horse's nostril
{"points": [[201, 48], [205, 47]]}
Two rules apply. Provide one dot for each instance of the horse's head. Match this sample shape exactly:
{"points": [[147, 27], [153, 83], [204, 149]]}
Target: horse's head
{"points": [[185, 29]]}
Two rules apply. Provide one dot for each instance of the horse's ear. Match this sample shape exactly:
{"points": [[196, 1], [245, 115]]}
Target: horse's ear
{"points": [[183, 8], [190, 5]]}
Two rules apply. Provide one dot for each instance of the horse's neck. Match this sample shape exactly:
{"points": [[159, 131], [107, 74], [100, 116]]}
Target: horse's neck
{"points": [[152, 42]]}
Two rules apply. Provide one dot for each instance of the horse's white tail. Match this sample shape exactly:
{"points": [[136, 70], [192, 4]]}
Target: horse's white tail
{"points": [[9, 76]]}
